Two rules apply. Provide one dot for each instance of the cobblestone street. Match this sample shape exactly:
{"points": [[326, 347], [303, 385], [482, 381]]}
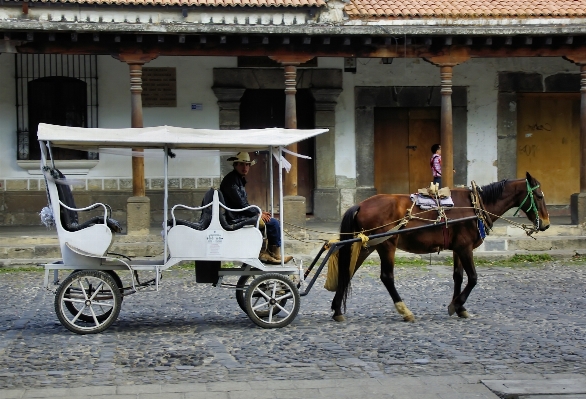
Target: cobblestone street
{"points": [[524, 320]]}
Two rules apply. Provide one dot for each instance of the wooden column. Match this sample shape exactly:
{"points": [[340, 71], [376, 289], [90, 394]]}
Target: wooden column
{"points": [[446, 63], [135, 62], [447, 131], [138, 187], [291, 123], [290, 65], [138, 211], [583, 128]]}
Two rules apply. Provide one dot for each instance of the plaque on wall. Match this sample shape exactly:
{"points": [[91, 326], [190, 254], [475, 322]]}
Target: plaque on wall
{"points": [[159, 87]]}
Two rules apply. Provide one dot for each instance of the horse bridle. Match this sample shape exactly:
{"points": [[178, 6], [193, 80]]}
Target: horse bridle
{"points": [[532, 205]]}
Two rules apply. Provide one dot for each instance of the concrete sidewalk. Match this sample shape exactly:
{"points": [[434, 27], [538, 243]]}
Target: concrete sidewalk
{"points": [[449, 387]]}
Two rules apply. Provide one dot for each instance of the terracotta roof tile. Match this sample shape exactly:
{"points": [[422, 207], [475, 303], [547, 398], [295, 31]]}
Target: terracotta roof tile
{"points": [[465, 8]]}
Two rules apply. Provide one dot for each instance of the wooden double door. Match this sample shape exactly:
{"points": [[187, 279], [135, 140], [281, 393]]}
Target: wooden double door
{"points": [[548, 142], [264, 108], [402, 148]]}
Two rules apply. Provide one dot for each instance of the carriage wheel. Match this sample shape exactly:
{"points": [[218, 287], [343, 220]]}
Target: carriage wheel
{"points": [[272, 301], [241, 286], [101, 313], [95, 295]]}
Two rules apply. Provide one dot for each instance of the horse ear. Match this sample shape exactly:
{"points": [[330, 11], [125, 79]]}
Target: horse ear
{"points": [[528, 177]]}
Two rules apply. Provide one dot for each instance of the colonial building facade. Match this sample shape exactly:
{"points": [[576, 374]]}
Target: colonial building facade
{"points": [[497, 85]]}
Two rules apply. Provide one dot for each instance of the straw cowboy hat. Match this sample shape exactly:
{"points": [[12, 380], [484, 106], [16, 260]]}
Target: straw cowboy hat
{"points": [[242, 157]]}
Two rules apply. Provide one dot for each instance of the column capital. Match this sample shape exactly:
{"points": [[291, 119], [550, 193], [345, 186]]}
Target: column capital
{"points": [[578, 59], [453, 57], [325, 95], [137, 57], [291, 59], [228, 94]]}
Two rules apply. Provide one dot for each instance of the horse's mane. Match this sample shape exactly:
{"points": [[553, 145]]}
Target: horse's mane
{"points": [[492, 192]]}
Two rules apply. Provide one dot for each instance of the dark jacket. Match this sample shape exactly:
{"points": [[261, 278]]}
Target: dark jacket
{"points": [[234, 191]]}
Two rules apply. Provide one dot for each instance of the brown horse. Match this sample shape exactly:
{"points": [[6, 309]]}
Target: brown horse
{"points": [[461, 238]]}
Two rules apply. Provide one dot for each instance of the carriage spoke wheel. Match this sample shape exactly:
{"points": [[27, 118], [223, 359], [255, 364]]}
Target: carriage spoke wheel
{"points": [[272, 301], [241, 287], [88, 301], [102, 312]]}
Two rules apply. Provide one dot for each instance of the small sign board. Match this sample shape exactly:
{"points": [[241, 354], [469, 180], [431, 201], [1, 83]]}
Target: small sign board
{"points": [[214, 243], [196, 106], [159, 87]]}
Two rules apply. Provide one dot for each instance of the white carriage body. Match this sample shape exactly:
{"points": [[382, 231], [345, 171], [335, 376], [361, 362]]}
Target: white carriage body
{"points": [[87, 248]]}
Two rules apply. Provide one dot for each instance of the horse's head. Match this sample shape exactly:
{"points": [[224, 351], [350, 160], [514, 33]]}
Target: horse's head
{"points": [[532, 202]]}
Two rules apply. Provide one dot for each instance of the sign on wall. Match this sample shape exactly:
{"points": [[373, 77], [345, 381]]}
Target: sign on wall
{"points": [[159, 87]]}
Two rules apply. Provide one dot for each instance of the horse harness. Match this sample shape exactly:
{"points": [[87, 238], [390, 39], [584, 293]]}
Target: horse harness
{"points": [[484, 222], [532, 207]]}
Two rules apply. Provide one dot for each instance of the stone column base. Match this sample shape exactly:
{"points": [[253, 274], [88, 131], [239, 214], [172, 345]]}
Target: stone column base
{"points": [[326, 204], [578, 208], [138, 216], [294, 213]]}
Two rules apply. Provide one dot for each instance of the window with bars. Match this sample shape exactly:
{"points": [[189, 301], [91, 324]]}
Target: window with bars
{"points": [[57, 89]]}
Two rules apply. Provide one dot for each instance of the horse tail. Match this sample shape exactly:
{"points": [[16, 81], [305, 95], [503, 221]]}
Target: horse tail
{"points": [[345, 253]]}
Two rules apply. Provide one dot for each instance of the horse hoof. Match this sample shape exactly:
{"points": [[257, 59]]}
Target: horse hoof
{"points": [[463, 314], [451, 309], [339, 318], [410, 318]]}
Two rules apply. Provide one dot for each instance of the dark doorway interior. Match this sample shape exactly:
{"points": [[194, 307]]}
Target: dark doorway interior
{"points": [[58, 101], [264, 108]]}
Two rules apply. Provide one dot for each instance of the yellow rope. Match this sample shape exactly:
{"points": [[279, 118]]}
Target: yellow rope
{"points": [[331, 283]]}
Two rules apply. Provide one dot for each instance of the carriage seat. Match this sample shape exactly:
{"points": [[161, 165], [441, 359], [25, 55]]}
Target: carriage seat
{"points": [[206, 216], [69, 217]]}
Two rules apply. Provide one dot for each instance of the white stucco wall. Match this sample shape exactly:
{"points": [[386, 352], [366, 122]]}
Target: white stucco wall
{"points": [[194, 85], [194, 81], [8, 165]]}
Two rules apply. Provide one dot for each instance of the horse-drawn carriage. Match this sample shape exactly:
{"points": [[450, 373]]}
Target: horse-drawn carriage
{"points": [[88, 300]]}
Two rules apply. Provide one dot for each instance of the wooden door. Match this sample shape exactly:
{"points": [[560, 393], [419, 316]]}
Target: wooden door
{"points": [[402, 141], [548, 142], [266, 108], [424, 131]]}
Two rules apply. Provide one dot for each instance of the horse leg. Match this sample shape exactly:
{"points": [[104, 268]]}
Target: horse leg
{"points": [[339, 296], [467, 262], [386, 252], [458, 278]]}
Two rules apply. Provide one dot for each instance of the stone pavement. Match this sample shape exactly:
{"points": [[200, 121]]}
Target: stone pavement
{"points": [[191, 340]]}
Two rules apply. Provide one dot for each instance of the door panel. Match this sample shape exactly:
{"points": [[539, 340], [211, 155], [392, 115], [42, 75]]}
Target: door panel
{"points": [[391, 156], [548, 142], [403, 138], [424, 131]]}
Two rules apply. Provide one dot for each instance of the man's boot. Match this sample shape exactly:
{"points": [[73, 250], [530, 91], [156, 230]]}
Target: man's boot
{"points": [[265, 255], [276, 253]]}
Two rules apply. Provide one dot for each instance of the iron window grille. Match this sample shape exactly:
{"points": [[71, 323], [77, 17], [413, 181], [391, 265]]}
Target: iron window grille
{"points": [[33, 67]]}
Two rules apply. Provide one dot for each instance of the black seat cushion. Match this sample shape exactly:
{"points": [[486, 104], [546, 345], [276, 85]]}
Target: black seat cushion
{"points": [[70, 219], [206, 216]]}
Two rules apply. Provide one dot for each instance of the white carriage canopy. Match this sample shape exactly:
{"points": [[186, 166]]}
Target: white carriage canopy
{"points": [[172, 137]]}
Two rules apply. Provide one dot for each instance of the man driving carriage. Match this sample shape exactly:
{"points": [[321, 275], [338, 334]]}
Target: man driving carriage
{"points": [[234, 192]]}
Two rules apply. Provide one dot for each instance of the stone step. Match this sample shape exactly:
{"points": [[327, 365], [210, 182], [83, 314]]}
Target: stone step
{"points": [[529, 244]]}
